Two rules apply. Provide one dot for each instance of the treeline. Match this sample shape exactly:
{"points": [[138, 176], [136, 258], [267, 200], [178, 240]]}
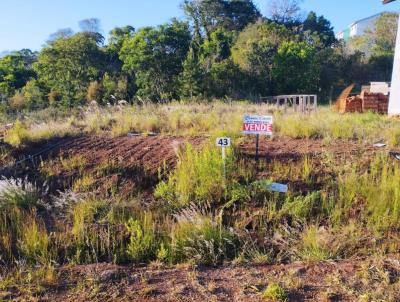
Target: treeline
{"points": [[225, 48]]}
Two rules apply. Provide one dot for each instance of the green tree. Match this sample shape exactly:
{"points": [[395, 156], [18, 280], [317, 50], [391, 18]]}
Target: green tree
{"points": [[295, 68], [109, 86], [33, 95], [383, 38], [155, 56], [118, 35], [15, 71], [380, 40], [371, 54], [192, 76], [217, 48], [254, 52], [318, 30], [92, 28], [61, 34], [239, 14], [116, 39], [225, 79], [210, 15], [68, 65]]}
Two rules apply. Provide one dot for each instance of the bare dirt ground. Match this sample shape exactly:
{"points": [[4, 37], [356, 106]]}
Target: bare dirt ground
{"points": [[140, 159], [149, 152], [152, 152], [321, 281], [285, 148]]}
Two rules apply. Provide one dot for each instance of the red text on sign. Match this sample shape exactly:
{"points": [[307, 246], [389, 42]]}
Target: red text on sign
{"points": [[257, 127]]}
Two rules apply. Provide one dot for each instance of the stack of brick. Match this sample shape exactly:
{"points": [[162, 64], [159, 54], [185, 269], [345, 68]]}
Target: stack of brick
{"points": [[376, 102], [366, 101], [353, 104]]}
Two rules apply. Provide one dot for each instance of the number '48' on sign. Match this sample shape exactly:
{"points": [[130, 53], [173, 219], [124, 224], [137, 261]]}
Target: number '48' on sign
{"points": [[223, 142]]}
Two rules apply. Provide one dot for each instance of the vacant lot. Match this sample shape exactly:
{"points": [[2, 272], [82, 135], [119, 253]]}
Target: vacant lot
{"points": [[132, 203]]}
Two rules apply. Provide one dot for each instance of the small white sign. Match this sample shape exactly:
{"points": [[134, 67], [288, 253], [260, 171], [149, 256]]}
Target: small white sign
{"points": [[277, 187], [223, 142], [379, 145]]}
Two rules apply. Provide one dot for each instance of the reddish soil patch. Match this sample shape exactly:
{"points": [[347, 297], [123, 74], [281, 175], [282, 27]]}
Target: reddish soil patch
{"points": [[148, 152], [139, 159], [131, 164], [285, 148], [320, 281]]}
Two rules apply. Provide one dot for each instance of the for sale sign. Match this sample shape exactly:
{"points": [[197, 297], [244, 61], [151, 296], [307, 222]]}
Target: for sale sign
{"points": [[253, 124]]}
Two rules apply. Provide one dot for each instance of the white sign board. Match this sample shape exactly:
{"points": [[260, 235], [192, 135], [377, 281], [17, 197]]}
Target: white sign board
{"points": [[254, 124], [380, 87], [277, 187], [223, 142]]}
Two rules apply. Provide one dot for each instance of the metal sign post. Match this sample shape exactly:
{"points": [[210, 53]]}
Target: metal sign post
{"points": [[257, 145], [258, 125]]}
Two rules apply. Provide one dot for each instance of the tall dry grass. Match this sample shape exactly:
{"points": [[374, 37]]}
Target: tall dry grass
{"points": [[204, 118]]}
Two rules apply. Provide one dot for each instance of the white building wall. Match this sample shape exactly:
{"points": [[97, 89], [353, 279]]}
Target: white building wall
{"points": [[359, 28], [394, 101], [354, 30]]}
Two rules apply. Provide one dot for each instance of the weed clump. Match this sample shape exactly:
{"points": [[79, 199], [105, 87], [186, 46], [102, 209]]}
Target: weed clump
{"points": [[198, 177], [275, 292], [200, 238], [373, 196], [142, 239], [21, 230], [17, 135]]}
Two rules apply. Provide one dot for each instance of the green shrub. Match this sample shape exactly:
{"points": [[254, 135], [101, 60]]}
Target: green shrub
{"points": [[142, 238], [275, 292], [18, 201], [163, 253], [312, 247], [312, 206], [17, 135], [94, 238], [34, 244], [198, 178]]}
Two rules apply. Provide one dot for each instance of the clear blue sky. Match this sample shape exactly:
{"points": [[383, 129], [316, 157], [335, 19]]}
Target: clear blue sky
{"points": [[28, 23]]}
